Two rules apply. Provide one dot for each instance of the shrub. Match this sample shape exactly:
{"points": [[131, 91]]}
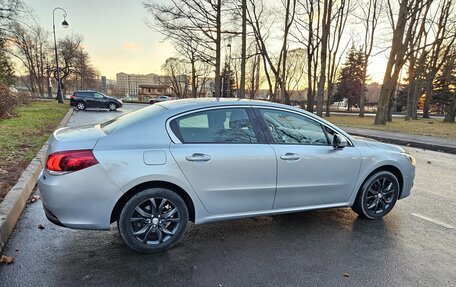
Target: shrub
{"points": [[7, 102], [23, 98]]}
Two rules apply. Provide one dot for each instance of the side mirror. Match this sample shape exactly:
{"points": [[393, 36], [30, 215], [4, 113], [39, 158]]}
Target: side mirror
{"points": [[339, 141]]}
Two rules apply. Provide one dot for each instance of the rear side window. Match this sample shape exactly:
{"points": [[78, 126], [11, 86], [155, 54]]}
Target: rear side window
{"points": [[131, 118], [291, 128], [215, 126], [85, 94]]}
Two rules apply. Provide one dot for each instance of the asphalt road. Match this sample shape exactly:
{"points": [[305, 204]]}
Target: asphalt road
{"points": [[415, 245]]}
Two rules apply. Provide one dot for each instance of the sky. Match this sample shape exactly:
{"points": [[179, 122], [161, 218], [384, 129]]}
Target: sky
{"points": [[118, 39], [114, 31]]}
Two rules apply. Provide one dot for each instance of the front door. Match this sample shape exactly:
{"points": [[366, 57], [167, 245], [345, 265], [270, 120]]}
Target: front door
{"points": [[310, 171], [225, 161]]}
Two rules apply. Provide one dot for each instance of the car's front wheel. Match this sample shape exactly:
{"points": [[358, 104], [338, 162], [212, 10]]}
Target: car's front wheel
{"points": [[112, 107], [377, 196], [81, 106], [153, 220]]}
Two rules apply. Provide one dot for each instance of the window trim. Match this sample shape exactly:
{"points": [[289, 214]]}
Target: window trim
{"points": [[176, 137], [270, 138]]}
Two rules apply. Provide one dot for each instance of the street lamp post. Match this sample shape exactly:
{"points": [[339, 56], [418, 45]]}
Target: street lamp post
{"points": [[65, 25]]}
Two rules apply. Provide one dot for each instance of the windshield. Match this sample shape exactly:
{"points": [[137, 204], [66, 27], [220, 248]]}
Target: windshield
{"points": [[133, 117]]}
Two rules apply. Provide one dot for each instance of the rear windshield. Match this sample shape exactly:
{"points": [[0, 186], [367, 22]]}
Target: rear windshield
{"points": [[136, 116]]}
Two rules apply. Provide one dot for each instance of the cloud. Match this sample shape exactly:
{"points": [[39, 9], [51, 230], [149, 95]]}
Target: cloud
{"points": [[131, 46]]}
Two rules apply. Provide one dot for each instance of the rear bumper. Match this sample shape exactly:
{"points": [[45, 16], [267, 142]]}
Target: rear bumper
{"points": [[82, 200]]}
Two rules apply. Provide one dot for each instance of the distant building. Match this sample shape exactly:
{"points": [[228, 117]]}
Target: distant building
{"points": [[129, 83], [104, 88], [147, 92], [373, 93]]}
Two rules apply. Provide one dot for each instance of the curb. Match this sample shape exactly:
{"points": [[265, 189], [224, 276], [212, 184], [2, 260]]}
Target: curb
{"points": [[415, 144], [12, 206]]}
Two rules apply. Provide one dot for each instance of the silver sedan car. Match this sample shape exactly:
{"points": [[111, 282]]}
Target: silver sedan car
{"points": [[207, 160]]}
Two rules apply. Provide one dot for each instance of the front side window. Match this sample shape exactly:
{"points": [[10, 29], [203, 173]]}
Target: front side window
{"points": [[215, 126], [291, 128], [98, 96]]}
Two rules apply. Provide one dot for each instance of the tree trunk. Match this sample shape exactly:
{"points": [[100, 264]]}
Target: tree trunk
{"points": [[218, 50], [450, 116], [244, 48], [389, 80], [194, 95], [427, 101], [327, 7], [362, 99]]}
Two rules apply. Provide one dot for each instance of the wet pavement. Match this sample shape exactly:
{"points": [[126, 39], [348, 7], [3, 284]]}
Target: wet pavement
{"points": [[415, 245]]}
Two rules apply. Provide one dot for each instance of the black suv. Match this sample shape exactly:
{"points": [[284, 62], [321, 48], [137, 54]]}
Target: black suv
{"points": [[92, 99]]}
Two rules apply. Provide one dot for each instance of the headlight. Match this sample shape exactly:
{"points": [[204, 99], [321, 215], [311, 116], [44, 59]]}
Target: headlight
{"points": [[410, 158]]}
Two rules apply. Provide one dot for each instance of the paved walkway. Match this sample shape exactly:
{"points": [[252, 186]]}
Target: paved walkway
{"points": [[425, 142]]}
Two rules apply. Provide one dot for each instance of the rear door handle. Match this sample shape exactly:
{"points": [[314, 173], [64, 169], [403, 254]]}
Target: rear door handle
{"points": [[290, 156], [198, 157]]}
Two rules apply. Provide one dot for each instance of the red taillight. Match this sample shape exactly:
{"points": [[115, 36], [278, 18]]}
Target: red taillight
{"points": [[72, 160]]}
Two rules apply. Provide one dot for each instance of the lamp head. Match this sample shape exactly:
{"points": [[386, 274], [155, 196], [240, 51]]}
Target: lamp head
{"points": [[65, 24]]}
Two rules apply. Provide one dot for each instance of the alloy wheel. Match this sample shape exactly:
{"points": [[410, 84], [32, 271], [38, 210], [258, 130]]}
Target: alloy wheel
{"points": [[155, 221], [380, 195]]}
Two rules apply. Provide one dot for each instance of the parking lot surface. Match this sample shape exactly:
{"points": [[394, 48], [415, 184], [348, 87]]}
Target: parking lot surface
{"points": [[415, 245]]}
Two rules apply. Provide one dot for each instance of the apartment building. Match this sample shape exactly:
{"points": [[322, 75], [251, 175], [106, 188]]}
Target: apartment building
{"points": [[129, 84]]}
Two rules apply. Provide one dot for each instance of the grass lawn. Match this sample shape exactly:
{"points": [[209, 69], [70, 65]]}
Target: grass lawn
{"points": [[21, 138], [428, 127]]}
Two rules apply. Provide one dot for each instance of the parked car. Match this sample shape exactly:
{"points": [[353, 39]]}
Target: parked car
{"points": [[160, 99], [207, 160], [92, 99]]}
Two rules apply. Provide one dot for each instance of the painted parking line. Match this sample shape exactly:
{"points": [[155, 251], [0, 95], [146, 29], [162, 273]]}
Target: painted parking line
{"points": [[433, 220]]}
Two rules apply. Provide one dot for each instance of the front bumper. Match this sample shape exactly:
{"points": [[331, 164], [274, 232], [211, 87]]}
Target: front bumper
{"points": [[408, 179], [82, 200]]}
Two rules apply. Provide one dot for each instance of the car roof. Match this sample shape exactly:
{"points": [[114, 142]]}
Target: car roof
{"points": [[189, 104]]}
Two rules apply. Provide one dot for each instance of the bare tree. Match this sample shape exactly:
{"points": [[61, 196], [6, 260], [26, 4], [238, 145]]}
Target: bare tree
{"points": [[29, 46], [307, 32], [176, 72], [412, 13], [444, 39], [76, 70], [256, 18], [371, 12], [296, 70], [193, 21], [341, 14]]}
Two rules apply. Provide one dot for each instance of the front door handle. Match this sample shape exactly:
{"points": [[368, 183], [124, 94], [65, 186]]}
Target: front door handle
{"points": [[290, 156], [198, 157]]}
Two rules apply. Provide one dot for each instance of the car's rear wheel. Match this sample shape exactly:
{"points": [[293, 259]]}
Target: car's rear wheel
{"points": [[81, 106], [153, 220], [377, 196], [112, 107]]}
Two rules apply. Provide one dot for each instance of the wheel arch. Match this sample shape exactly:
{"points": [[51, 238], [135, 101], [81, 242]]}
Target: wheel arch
{"points": [[391, 168], [153, 184]]}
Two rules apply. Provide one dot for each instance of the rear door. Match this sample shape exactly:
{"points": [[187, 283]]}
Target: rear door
{"points": [[223, 154], [90, 100], [310, 171]]}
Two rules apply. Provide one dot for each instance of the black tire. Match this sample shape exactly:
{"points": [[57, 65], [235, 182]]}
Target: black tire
{"points": [[145, 229], [112, 107], [377, 195], [151, 102], [81, 106]]}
